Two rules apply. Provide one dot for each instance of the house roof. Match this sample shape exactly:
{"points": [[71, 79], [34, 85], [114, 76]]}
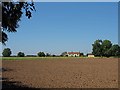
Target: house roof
{"points": [[73, 52]]}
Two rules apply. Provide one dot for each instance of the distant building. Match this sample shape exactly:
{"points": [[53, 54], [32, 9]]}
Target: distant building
{"points": [[90, 55], [73, 54]]}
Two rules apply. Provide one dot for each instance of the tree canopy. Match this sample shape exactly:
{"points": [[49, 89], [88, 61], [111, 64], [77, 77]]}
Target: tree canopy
{"points": [[105, 48], [97, 48], [20, 54], [11, 15], [6, 52], [41, 54], [114, 50]]}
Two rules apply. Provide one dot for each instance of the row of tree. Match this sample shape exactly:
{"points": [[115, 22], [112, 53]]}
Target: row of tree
{"points": [[100, 48], [105, 48], [7, 53]]}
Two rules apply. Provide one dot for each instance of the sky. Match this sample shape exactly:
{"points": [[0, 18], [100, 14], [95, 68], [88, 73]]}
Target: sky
{"points": [[56, 27]]}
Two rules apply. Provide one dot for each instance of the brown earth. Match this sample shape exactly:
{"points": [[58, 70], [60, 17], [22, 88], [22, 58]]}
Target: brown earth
{"points": [[61, 73]]}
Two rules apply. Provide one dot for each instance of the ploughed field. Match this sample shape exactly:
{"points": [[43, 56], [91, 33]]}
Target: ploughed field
{"points": [[61, 73]]}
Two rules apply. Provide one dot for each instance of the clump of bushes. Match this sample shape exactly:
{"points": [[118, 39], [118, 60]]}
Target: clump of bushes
{"points": [[104, 48], [41, 54], [20, 54], [6, 52]]}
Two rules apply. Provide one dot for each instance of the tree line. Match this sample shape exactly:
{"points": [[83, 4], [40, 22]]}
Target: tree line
{"points": [[101, 48], [7, 53]]}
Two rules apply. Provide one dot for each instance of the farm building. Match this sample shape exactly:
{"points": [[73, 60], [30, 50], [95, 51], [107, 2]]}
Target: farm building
{"points": [[73, 54], [90, 55]]}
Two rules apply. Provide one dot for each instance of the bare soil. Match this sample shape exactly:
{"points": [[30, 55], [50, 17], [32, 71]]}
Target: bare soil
{"points": [[61, 73]]}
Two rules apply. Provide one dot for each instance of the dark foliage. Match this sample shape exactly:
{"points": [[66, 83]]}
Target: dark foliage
{"points": [[6, 52], [20, 54], [41, 54], [105, 48], [97, 48], [11, 15]]}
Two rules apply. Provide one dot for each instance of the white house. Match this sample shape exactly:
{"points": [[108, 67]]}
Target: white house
{"points": [[90, 55], [73, 54]]}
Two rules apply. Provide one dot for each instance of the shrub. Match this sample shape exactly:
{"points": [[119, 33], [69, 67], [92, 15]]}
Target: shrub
{"points": [[6, 52], [20, 54], [41, 54]]}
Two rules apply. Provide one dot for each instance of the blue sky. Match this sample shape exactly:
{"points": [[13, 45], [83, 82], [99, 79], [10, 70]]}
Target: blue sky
{"points": [[65, 26]]}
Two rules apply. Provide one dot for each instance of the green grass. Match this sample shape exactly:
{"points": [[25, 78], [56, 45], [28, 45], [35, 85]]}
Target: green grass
{"points": [[34, 58], [42, 58]]}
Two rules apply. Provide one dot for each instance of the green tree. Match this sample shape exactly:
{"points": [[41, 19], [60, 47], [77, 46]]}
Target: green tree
{"points": [[114, 50], [54, 55], [11, 15], [41, 54], [105, 48], [20, 54], [106, 45], [97, 48], [81, 54], [6, 52]]}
